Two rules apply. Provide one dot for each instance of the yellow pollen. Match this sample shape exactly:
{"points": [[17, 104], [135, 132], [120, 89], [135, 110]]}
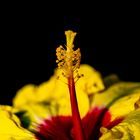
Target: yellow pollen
{"points": [[68, 59]]}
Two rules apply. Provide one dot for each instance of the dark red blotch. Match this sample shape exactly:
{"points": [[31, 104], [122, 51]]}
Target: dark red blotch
{"points": [[61, 127]]}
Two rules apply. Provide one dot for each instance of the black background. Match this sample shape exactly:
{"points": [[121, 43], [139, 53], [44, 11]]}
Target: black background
{"points": [[108, 36]]}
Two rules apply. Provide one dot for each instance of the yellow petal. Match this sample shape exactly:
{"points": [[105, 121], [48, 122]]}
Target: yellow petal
{"points": [[91, 82], [59, 95], [48, 99], [129, 129], [10, 126], [34, 113], [25, 95], [65, 106], [124, 105], [119, 98], [115, 92], [52, 97]]}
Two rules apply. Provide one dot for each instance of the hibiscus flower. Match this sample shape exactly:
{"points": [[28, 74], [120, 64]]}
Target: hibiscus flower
{"points": [[76, 103]]}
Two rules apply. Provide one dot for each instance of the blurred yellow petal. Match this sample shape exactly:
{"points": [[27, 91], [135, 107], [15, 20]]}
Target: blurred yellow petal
{"points": [[10, 126], [48, 99], [119, 98], [124, 105], [57, 90], [129, 129], [33, 113], [64, 106], [115, 92], [60, 106], [91, 82], [25, 95], [33, 94]]}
